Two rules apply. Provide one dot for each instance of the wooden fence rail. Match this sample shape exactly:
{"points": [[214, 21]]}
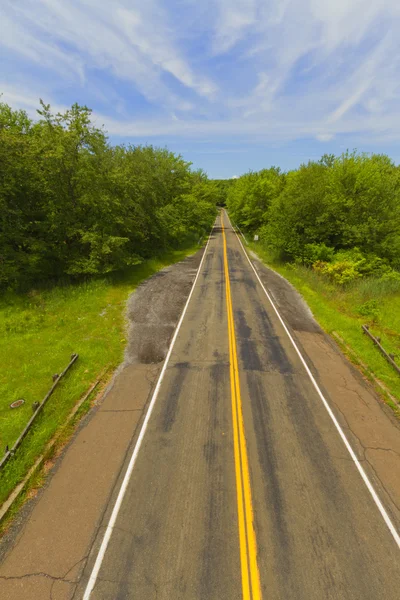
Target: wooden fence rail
{"points": [[377, 342], [38, 410]]}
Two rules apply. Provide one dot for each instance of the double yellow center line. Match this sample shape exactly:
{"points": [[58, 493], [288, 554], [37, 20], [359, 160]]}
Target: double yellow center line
{"points": [[247, 537]]}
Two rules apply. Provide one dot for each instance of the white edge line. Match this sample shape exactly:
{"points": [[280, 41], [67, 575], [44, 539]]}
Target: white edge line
{"points": [[236, 225], [363, 474], [109, 529], [243, 236]]}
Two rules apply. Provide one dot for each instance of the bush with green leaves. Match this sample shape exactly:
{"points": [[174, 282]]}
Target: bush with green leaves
{"points": [[316, 252], [348, 265], [340, 272], [249, 197], [369, 309]]}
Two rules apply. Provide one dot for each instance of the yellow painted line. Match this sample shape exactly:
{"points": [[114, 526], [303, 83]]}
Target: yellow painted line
{"points": [[247, 538]]}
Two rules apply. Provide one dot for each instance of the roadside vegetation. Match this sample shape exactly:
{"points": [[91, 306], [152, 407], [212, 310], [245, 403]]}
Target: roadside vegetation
{"points": [[332, 228], [81, 224], [221, 189]]}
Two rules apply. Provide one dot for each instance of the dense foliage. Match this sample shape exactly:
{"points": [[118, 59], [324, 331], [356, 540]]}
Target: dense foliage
{"points": [[72, 204], [341, 215], [221, 189]]}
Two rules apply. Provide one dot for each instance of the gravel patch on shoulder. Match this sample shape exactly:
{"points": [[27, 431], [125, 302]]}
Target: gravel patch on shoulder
{"points": [[154, 308]]}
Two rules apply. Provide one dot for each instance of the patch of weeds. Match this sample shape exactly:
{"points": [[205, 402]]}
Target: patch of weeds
{"points": [[369, 309]]}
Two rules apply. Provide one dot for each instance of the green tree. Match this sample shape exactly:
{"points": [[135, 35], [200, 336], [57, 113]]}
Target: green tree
{"points": [[71, 204], [250, 198]]}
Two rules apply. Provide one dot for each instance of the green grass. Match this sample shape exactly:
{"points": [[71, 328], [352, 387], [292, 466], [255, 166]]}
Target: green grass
{"points": [[342, 310], [39, 332]]}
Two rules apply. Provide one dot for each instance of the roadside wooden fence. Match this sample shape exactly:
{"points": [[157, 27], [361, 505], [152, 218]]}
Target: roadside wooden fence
{"points": [[10, 452], [377, 342]]}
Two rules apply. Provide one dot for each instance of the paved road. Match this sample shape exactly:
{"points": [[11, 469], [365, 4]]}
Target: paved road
{"points": [[243, 488]]}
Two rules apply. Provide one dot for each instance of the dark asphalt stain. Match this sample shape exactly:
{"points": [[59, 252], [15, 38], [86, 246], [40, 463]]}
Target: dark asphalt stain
{"points": [[210, 450], [170, 410], [277, 356], [206, 270], [269, 354], [241, 277], [248, 347], [203, 288], [221, 288], [239, 272], [213, 551], [256, 355], [211, 446], [189, 342], [242, 328], [150, 352], [134, 545], [273, 493], [312, 443], [236, 254], [340, 507], [249, 282]]}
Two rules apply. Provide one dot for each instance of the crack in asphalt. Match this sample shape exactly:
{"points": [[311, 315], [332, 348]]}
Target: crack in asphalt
{"points": [[150, 376], [383, 486], [365, 459], [38, 574], [349, 388], [53, 578], [382, 449]]}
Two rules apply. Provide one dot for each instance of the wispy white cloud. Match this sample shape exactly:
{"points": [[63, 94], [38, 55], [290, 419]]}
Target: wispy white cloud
{"points": [[324, 137], [130, 40], [233, 20], [282, 70], [146, 30], [15, 37]]}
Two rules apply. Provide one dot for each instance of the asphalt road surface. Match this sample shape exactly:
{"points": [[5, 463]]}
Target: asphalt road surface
{"points": [[243, 487]]}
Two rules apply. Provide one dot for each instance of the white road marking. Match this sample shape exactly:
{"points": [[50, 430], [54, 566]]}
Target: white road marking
{"points": [[363, 474], [109, 529], [242, 234]]}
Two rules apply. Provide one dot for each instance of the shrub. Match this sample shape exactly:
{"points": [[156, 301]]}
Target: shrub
{"points": [[317, 252], [341, 273], [367, 264], [369, 309], [391, 275]]}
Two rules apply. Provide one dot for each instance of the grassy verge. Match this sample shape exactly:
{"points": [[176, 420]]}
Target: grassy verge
{"points": [[39, 332], [342, 311]]}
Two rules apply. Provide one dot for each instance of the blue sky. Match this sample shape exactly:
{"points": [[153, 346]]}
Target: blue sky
{"points": [[232, 85]]}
